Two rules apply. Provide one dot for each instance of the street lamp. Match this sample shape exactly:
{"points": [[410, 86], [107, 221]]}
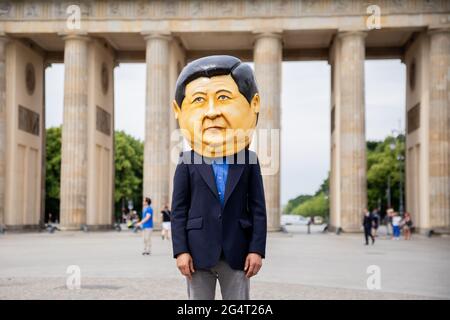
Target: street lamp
{"points": [[130, 205], [400, 158], [388, 193], [327, 199]]}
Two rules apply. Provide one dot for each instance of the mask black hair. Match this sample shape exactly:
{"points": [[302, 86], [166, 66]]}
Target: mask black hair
{"points": [[219, 65]]}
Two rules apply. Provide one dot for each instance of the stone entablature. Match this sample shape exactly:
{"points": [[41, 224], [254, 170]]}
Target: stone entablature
{"points": [[205, 9]]}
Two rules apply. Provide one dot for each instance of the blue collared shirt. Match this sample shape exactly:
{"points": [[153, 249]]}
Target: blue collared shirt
{"points": [[220, 169], [147, 210]]}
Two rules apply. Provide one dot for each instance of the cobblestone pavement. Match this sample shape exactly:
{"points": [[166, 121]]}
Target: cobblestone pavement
{"points": [[298, 266]]}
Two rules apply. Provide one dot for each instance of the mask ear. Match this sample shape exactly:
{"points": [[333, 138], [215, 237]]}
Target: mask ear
{"points": [[255, 103], [176, 109]]}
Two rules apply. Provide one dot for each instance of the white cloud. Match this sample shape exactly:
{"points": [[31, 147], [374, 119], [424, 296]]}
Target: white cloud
{"points": [[54, 95], [129, 95]]}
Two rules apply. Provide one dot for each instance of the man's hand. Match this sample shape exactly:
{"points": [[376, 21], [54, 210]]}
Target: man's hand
{"points": [[185, 264], [253, 263]]}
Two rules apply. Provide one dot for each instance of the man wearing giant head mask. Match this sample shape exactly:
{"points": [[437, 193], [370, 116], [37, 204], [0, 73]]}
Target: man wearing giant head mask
{"points": [[219, 222]]}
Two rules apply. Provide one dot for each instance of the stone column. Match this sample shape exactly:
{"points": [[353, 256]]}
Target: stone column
{"points": [[74, 133], [3, 41], [157, 117], [439, 129], [352, 133], [267, 59]]}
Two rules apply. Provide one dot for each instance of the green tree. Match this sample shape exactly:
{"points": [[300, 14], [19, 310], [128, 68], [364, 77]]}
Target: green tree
{"points": [[53, 170], [308, 205], [293, 203], [315, 206], [129, 159], [382, 166], [324, 187]]}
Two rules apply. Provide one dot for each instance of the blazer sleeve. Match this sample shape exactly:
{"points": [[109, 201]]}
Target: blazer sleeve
{"points": [[180, 207], [257, 209]]}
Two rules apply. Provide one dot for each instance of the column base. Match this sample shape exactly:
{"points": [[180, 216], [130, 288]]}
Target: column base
{"points": [[100, 227], [429, 232], [338, 230], [70, 228], [20, 228], [86, 227]]}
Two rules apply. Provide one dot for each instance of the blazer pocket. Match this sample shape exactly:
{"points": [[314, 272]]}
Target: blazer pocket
{"points": [[245, 223], [194, 223]]}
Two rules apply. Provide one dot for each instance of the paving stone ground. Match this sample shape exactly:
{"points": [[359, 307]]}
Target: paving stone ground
{"points": [[298, 266]]}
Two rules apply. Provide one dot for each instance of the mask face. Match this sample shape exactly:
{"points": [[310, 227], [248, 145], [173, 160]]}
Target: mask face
{"points": [[215, 117]]}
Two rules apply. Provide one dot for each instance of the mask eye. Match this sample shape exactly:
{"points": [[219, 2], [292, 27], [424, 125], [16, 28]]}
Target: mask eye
{"points": [[223, 97], [198, 99]]}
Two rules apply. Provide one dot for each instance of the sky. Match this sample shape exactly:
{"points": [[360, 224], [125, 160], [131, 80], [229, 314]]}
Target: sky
{"points": [[305, 117]]}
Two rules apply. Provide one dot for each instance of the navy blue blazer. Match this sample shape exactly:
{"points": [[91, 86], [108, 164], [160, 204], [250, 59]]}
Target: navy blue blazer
{"points": [[199, 224]]}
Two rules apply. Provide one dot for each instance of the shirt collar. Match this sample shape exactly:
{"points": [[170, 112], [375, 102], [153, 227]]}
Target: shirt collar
{"points": [[220, 160]]}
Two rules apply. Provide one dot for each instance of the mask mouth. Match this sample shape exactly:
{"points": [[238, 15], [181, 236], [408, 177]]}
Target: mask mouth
{"points": [[215, 127]]}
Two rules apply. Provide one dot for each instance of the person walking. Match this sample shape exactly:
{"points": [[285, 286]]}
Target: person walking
{"points": [[368, 224], [375, 222], [146, 224], [310, 222], [165, 233]]}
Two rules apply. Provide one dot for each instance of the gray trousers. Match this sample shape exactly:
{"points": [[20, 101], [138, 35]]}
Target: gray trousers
{"points": [[234, 285]]}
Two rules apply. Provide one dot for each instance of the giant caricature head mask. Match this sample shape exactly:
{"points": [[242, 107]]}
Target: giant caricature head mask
{"points": [[216, 105]]}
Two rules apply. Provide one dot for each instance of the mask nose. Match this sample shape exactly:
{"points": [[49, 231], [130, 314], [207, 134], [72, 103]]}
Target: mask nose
{"points": [[213, 112]]}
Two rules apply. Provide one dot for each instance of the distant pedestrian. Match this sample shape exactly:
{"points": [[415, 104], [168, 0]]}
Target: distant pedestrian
{"points": [[147, 225], [310, 222], [389, 213], [396, 219], [407, 225], [166, 234], [368, 224], [133, 223], [125, 213], [375, 221]]}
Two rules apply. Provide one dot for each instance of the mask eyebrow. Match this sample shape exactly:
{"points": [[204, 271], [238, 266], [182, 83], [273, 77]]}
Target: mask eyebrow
{"points": [[198, 92], [224, 90]]}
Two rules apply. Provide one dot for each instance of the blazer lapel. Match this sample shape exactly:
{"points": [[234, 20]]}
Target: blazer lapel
{"points": [[207, 173], [234, 174]]}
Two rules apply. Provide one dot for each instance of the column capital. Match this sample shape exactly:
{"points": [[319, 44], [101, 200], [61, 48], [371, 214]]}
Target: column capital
{"points": [[164, 35], [267, 33], [439, 30], [47, 64], [74, 36], [4, 38], [345, 33]]}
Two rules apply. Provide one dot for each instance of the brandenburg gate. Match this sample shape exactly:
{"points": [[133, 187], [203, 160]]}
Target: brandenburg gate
{"points": [[92, 37]]}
